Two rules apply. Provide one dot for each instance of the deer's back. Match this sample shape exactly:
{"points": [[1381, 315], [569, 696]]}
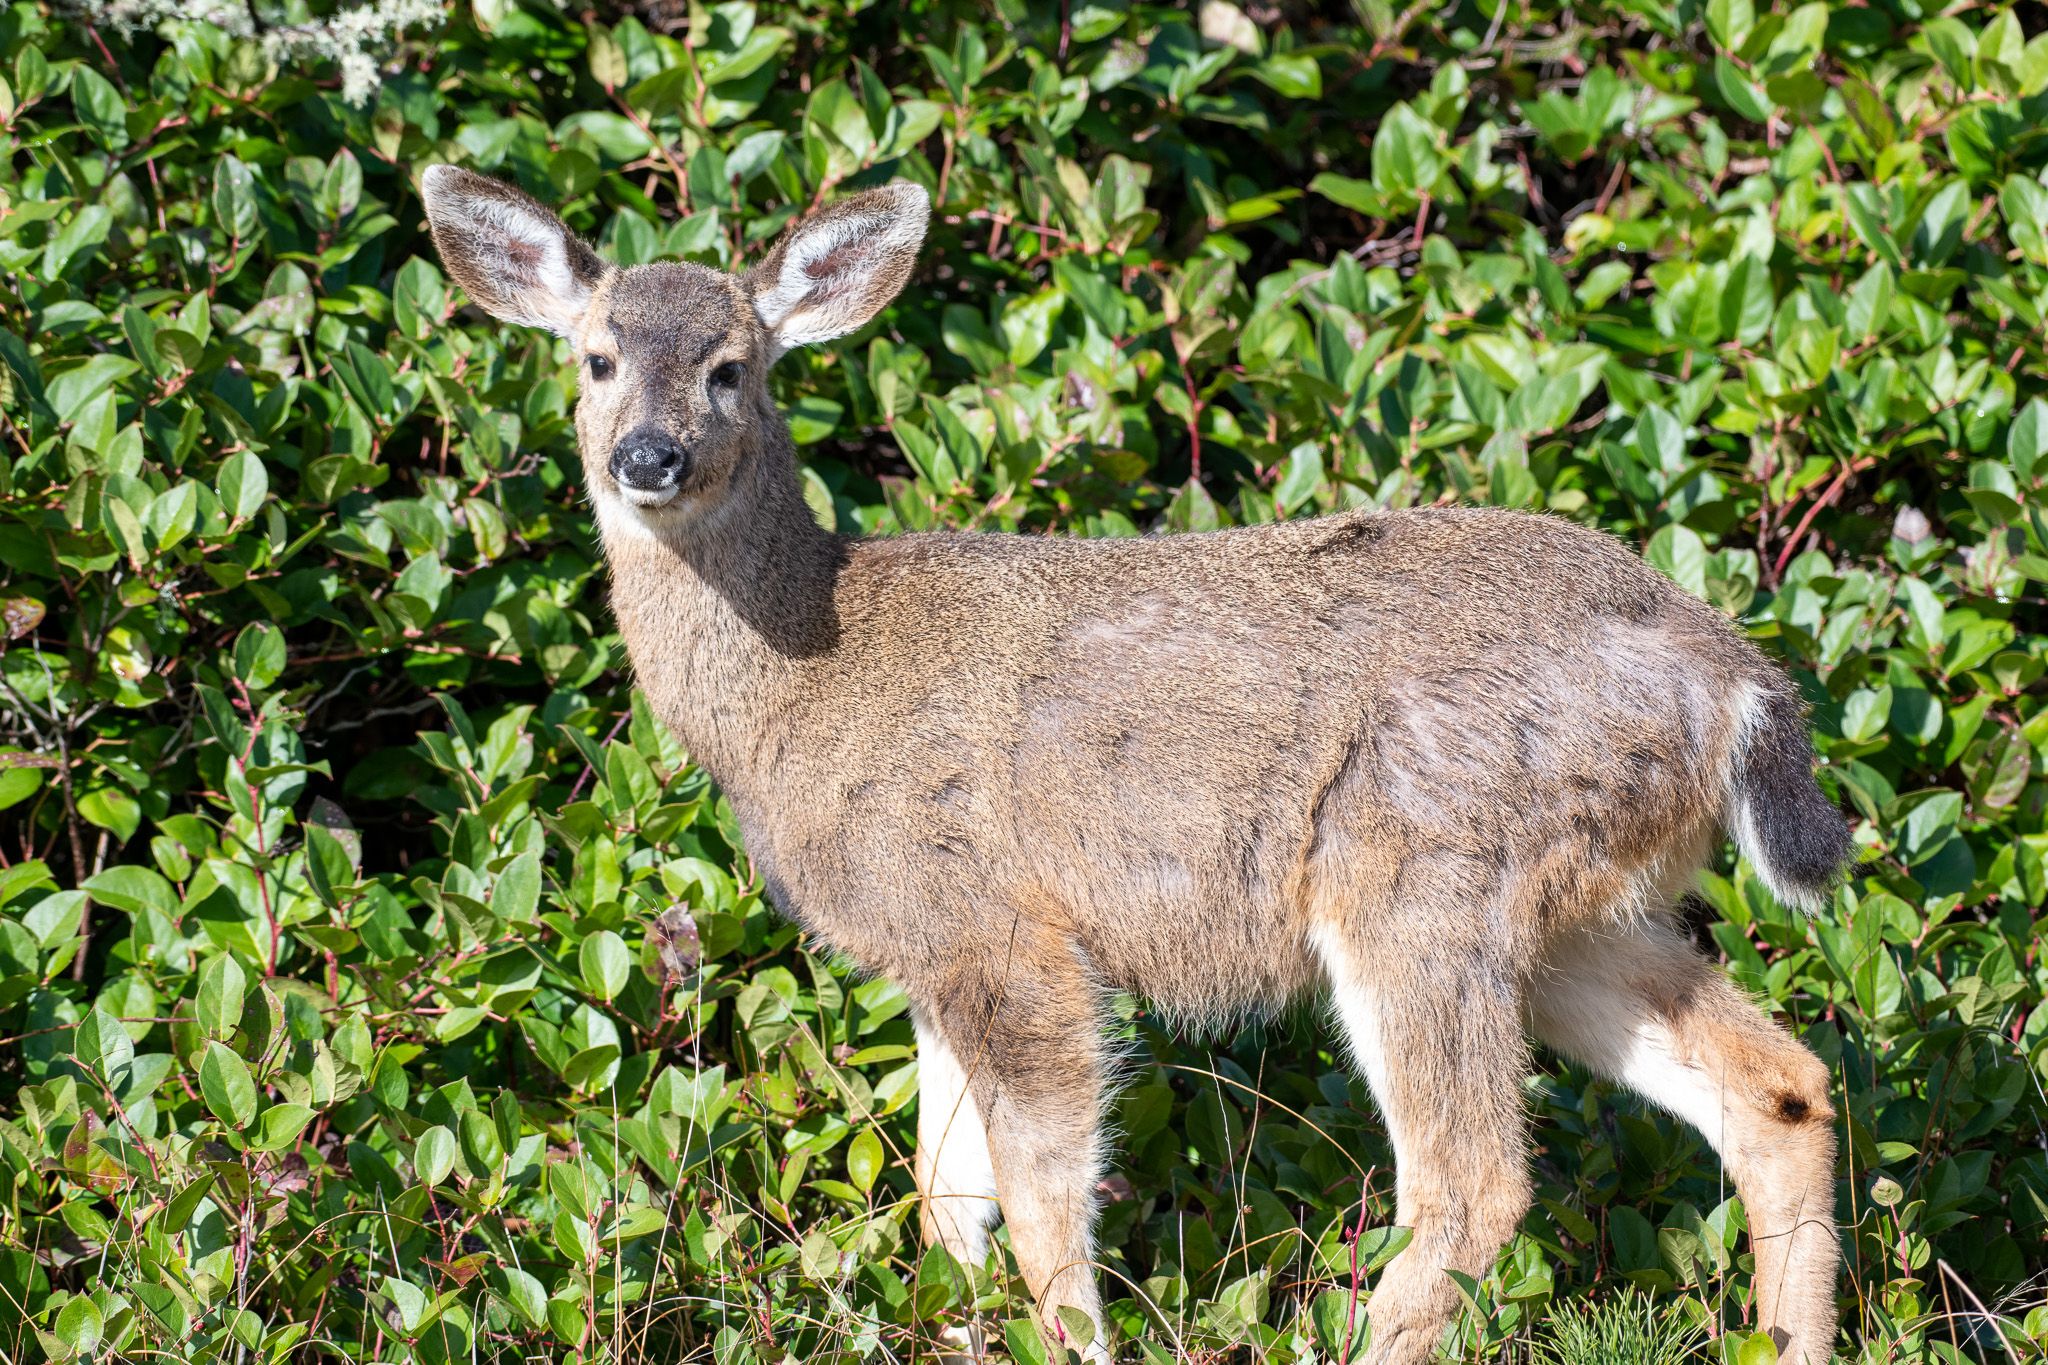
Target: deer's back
{"points": [[1179, 752]]}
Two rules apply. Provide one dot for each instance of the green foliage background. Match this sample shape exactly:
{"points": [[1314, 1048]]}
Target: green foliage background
{"points": [[379, 981]]}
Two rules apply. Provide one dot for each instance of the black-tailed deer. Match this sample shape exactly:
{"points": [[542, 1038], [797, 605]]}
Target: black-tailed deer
{"points": [[1451, 766]]}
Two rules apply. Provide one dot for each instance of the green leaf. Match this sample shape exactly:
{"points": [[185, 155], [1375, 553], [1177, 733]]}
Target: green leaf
{"points": [[279, 1126], [433, 1155], [100, 107], [1293, 74], [1865, 713], [80, 1324], [69, 391], [178, 1213], [813, 418], [225, 1083], [234, 198], [605, 963], [408, 1301], [242, 485], [2001, 54], [1301, 477], [864, 1159], [55, 918], [525, 1294], [1798, 41], [1027, 324], [640, 1220], [2026, 441], [218, 1004], [1332, 1312], [1869, 303], [1634, 1239], [1357, 195], [1405, 159], [481, 1146], [1740, 93], [517, 891], [614, 135], [259, 655], [1680, 553], [1748, 302], [608, 65], [1758, 1350], [164, 1305], [565, 1315], [105, 1048], [1729, 23], [112, 810], [1952, 43], [1660, 441], [1866, 215], [18, 784], [1940, 230], [1926, 614], [1025, 1342], [132, 889]]}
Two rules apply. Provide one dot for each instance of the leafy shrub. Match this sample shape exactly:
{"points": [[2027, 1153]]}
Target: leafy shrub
{"points": [[379, 980]]}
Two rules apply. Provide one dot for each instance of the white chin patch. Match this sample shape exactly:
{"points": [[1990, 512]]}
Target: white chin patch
{"points": [[646, 497]]}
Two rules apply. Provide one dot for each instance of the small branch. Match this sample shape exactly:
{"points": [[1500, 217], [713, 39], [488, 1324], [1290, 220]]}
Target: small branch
{"points": [[1833, 491], [618, 725], [1396, 31]]}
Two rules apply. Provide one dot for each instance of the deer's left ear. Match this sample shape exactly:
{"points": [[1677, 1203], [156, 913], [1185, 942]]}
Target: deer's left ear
{"points": [[833, 272], [509, 252]]}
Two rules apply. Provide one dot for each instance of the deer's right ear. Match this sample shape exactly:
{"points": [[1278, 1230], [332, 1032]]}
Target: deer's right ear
{"points": [[509, 253]]}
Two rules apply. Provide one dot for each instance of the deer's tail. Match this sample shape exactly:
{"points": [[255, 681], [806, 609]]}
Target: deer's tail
{"points": [[1782, 821]]}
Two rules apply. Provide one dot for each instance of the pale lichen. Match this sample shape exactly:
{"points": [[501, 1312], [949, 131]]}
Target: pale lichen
{"points": [[355, 37]]}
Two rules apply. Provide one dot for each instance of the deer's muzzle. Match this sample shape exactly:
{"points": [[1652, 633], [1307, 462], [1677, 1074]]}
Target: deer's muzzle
{"points": [[649, 460]]}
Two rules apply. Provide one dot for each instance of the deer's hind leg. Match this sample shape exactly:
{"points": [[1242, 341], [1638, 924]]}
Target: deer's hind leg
{"points": [[1435, 1024], [1637, 1003]]}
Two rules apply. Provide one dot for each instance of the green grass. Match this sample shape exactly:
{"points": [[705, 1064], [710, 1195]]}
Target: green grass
{"points": [[1629, 1328]]}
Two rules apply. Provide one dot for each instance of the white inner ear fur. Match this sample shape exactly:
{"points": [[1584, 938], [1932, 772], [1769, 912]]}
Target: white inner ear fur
{"points": [[523, 255], [831, 280]]}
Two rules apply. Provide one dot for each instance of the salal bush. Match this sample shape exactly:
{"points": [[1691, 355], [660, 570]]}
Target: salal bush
{"points": [[378, 979]]}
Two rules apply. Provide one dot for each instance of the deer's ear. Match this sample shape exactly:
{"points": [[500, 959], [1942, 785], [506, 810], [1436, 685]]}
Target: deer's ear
{"points": [[509, 253], [834, 271]]}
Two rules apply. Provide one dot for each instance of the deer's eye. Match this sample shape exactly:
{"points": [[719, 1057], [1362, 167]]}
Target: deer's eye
{"points": [[600, 368], [728, 375]]}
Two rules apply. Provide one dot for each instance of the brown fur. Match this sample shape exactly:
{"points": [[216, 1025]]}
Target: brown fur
{"points": [[1453, 765]]}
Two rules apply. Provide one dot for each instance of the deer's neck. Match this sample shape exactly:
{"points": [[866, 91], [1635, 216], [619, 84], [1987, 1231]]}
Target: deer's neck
{"points": [[725, 619]]}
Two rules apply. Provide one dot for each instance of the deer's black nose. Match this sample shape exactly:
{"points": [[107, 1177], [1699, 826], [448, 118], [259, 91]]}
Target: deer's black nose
{"points": [[650, 460]]}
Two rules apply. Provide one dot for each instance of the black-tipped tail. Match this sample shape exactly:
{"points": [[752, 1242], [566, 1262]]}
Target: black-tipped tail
{"points": [[1782, 822]]}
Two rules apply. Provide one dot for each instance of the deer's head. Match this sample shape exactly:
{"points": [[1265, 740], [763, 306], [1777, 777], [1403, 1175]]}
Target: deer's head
{"points": [[674, 357]]}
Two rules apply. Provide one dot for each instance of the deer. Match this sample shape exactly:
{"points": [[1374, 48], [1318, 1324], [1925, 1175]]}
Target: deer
{"points": [[1450, 770]]}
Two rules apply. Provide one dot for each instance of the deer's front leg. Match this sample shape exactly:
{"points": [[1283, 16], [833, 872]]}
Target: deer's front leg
{"points": [[1026, 1036], [956, 1183]]}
